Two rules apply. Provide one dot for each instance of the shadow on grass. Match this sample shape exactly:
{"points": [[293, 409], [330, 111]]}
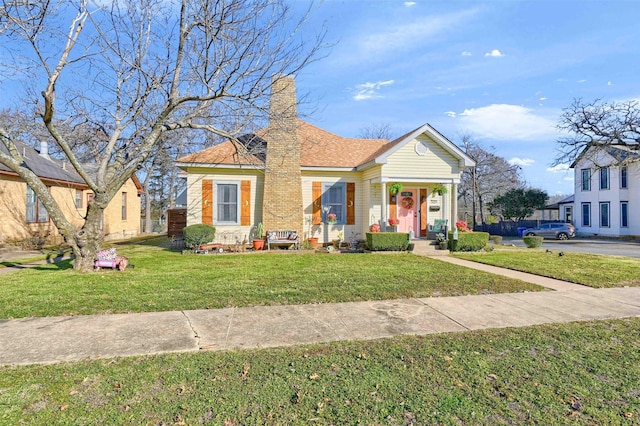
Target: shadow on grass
{"points": [[59, 262]]}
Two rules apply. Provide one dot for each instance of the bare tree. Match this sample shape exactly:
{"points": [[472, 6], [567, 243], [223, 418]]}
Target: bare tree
{"points": [[133, 70], [491, 176], [376, 131], [597, 123]]}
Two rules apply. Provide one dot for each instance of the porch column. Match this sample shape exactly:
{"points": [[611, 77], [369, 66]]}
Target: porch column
{"points": [[446, 206], [383, 207], [454, 203]]}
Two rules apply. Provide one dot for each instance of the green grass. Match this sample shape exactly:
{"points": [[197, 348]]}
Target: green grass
{"points": [[163, 281], [588, 269], [580, 373]]}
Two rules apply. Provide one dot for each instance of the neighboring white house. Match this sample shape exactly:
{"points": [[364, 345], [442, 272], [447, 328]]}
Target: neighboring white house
{"points": [[607, 192]]}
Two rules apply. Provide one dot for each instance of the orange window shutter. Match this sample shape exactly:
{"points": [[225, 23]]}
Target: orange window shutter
{"points": [[393, 207], [316, 208], [207, 201], [245, 199], [351, 203]]}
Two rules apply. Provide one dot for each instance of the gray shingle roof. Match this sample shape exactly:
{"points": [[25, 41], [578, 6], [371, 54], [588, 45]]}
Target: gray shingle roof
{"points": [[46, 168]]}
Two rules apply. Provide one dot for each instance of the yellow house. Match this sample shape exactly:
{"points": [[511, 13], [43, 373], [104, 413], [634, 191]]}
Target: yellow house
{"points": [[23, 216], [296, 176]]}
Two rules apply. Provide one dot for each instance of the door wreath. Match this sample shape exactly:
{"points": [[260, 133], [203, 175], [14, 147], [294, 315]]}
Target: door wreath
{"points": [[407, 202]]}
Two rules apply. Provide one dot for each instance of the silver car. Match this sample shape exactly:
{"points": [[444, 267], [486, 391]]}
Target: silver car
{"points": [[560, 231]]}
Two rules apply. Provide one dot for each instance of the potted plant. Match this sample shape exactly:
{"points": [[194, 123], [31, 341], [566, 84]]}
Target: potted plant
{"points": [[313, 241], [332, 218], [395, 188], [439, 189], [442, 241], [338, 241], [393, 223], [258, 240]]}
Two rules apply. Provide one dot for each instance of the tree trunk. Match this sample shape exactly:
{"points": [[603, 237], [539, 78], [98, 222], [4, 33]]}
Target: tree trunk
{"points": [[86, 242], [148, 224]]}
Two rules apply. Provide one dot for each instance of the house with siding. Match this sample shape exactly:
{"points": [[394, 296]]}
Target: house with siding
{"points": [[607, 191], [22, 215], [304, 173]]}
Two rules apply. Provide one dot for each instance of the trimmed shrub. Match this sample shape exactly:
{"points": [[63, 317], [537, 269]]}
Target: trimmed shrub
{"points": [[497, 239], [387, 241], [195, 235], [533, 241], [468, 241]]}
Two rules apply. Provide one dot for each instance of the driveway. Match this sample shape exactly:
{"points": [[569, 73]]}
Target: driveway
{"points": [[609, 247]]}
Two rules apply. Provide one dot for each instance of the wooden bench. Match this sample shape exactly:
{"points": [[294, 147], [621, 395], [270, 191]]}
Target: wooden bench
{"points": [[282, 238]]}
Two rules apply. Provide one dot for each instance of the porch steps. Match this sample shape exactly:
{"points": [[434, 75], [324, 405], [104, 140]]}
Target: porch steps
{"points": [[428, 248]]}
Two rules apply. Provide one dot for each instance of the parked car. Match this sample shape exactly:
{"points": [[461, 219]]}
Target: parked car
{"points": [[560, 231]]}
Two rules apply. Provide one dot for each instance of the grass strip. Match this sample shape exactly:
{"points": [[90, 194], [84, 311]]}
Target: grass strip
{"points": [[578, 373], [592, 270]]}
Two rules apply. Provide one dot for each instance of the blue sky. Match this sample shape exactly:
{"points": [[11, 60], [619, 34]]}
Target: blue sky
{"points": [[500, 71]]}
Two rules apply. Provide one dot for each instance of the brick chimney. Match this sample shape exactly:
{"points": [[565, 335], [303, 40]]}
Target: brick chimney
{"points": [[282, 202]]}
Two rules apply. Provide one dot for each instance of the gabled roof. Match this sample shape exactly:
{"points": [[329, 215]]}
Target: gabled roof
{"points": [[320, 148], [555, 206], [619, 152], [383, 154]]}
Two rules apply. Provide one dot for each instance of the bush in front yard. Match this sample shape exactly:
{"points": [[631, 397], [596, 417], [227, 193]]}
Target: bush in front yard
{"points": [[195, 235], [533, 241], [387, 241], [468, 241]]}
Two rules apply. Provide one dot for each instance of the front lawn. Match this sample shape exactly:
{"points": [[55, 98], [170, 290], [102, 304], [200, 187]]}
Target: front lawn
{"points": [[163, 280], [581, 373], [588, 269]]}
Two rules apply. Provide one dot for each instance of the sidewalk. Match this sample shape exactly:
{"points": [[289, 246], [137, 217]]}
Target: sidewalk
{"points": [[56, 339]]}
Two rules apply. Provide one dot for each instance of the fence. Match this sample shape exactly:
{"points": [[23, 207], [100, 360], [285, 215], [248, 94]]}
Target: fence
{"points": [[508, 228]]}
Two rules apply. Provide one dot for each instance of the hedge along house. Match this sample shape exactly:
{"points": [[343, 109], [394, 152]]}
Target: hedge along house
{"points": [[22, 215], [305, 174]]}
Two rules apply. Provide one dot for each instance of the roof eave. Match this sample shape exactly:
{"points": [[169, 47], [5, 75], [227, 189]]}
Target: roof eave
{"points": [[185, 166]]}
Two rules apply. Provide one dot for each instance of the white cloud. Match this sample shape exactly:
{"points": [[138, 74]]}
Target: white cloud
{"points": [[406, 36], [559, 168], [451, 114], [582, 81], [409, 3], [466, 53], [544, 98], [609, 83], [370, 90], [509, 123], [495, 53], [568, 178], [522, 162]]}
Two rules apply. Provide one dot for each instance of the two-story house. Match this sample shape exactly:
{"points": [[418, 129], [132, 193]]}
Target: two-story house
{"points": [[607, 191]]}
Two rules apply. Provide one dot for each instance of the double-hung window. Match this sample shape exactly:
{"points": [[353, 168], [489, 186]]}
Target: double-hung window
{"points": [[586, 214], [124, 206], [586, 179], [227, 203], [624, 214], [604, 215], [334, 200], [36, 213], [623, 177], [604, 178]]}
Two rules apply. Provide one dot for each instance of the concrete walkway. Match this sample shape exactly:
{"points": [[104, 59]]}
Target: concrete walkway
{"points": [[56, 339]]}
